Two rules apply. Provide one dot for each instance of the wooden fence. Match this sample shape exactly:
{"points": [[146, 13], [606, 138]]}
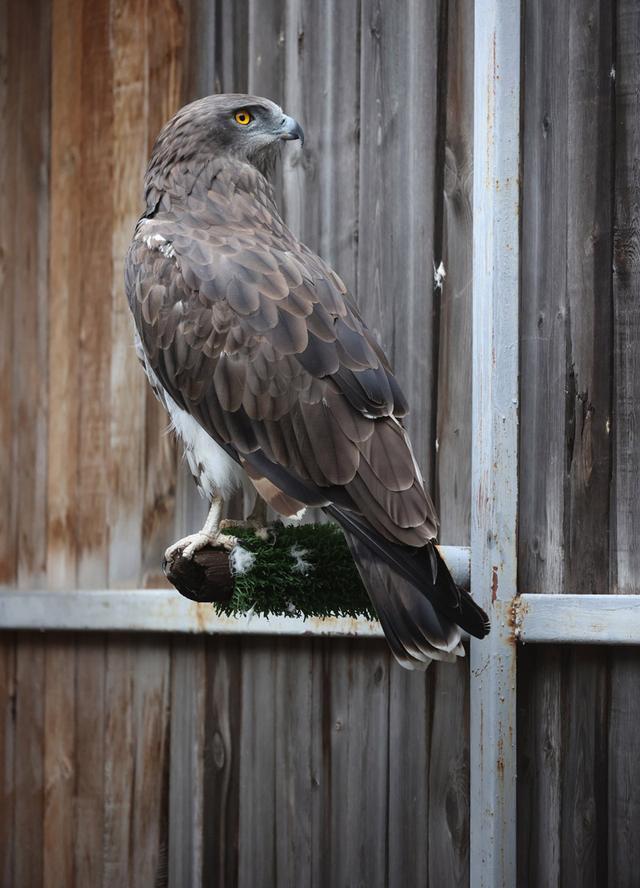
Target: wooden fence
{"points": [[145, 760]]}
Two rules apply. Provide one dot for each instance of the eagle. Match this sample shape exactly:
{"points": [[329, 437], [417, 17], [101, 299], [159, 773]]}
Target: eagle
{"points": [[270, 375]]}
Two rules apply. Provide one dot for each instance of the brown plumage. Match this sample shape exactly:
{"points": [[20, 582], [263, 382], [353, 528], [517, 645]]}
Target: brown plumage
{"points": [[249, 332]]}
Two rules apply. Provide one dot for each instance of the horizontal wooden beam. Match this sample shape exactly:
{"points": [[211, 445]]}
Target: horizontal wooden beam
{"points": [[156, 610], [577, 619]]}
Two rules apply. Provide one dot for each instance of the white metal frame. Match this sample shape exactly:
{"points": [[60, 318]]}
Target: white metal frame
{"points": [[496, 198]]}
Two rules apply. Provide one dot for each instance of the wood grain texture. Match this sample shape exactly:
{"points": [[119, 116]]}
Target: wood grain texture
{"points": [[136, 764], [540, 749], [165, 40], [29, 61], [7, 756], [294, 762], [622, 772], [625, 567], [543, 304], [623, 777], [60, 702], [221, 789], [94, 358], [186, 766], [90, 774], [448, 788], [128, 388], [257, 741], [453, 455], [410, 730], [584, 778], [398, 71], [358, 749], [29, 761], [8, 515], [65, 281], [119, 761], [149, 824]]}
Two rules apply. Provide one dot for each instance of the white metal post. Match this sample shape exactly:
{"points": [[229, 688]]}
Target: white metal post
{"points": [[496, 198]]}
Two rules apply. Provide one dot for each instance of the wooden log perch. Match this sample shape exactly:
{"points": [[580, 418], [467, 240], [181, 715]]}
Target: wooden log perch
{"points": [[297, 571], [205, 577]]}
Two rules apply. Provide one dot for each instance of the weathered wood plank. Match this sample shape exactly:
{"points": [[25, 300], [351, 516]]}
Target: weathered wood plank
{"points": [[257, 741], [294, 764], [221, 802], [231, 57], [165, 45], [588, 322], [453, 456], [65, 296], [136, 765], [60, 703], [199, 48], [626, 305], [151, 726], [543, 307], [90, 739], [410, 737], [128, 387], [624, 779], [398, 73], [119, 761], [29, 761], [448, 768], [7, 756], [584, 777], [540, 749], [624, 785], [358, 692], [186, 768], [95, 305], [29, 43], [9, 514]]}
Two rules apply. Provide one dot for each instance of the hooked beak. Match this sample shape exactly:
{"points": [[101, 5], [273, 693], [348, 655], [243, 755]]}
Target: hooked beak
{"points": [[291, 129]]}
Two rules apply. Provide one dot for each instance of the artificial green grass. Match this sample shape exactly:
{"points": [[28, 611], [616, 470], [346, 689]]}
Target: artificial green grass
{"points": [[276, 583]]}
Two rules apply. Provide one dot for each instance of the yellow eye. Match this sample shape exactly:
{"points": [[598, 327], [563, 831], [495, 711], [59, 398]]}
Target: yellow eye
{"points": [[243, 117]]}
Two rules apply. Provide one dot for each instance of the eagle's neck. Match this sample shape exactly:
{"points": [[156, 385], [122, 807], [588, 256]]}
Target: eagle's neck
{"points": [[170, 174]]}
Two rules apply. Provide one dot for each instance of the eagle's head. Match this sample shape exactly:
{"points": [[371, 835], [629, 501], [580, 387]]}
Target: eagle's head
{"points": [[249, 128]]}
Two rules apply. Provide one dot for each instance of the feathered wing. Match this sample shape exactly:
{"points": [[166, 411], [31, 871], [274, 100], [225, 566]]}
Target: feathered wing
{"points": [[256, 337]]}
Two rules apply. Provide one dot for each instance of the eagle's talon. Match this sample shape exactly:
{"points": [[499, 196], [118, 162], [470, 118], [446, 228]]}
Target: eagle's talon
{"points": [[189, 545]]}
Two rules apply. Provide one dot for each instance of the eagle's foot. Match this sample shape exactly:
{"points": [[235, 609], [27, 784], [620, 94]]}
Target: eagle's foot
{"points": [[189, 545]]}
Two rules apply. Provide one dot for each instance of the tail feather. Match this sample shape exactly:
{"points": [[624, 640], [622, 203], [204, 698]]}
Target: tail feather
{"points": [[420, 608]]}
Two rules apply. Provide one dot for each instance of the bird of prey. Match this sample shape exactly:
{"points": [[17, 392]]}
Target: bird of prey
{"points": [[270, 375]]}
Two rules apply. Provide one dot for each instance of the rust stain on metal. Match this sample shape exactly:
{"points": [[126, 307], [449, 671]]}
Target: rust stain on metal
{"points": [[494, 582]]}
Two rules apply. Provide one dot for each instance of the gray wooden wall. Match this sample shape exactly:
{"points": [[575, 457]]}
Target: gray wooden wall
{"points": [[579, 708], [130, 760]]}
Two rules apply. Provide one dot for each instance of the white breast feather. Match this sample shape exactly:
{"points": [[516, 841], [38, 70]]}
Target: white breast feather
{"points": [[211, 466], [215, 470]]}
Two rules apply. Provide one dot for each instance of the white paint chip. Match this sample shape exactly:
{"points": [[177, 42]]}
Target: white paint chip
{"points": [[241, 560], [439, 274]]}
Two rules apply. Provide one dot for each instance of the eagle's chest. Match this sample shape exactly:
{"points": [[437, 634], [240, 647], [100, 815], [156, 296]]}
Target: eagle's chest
{"points": [[214, 470]]}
